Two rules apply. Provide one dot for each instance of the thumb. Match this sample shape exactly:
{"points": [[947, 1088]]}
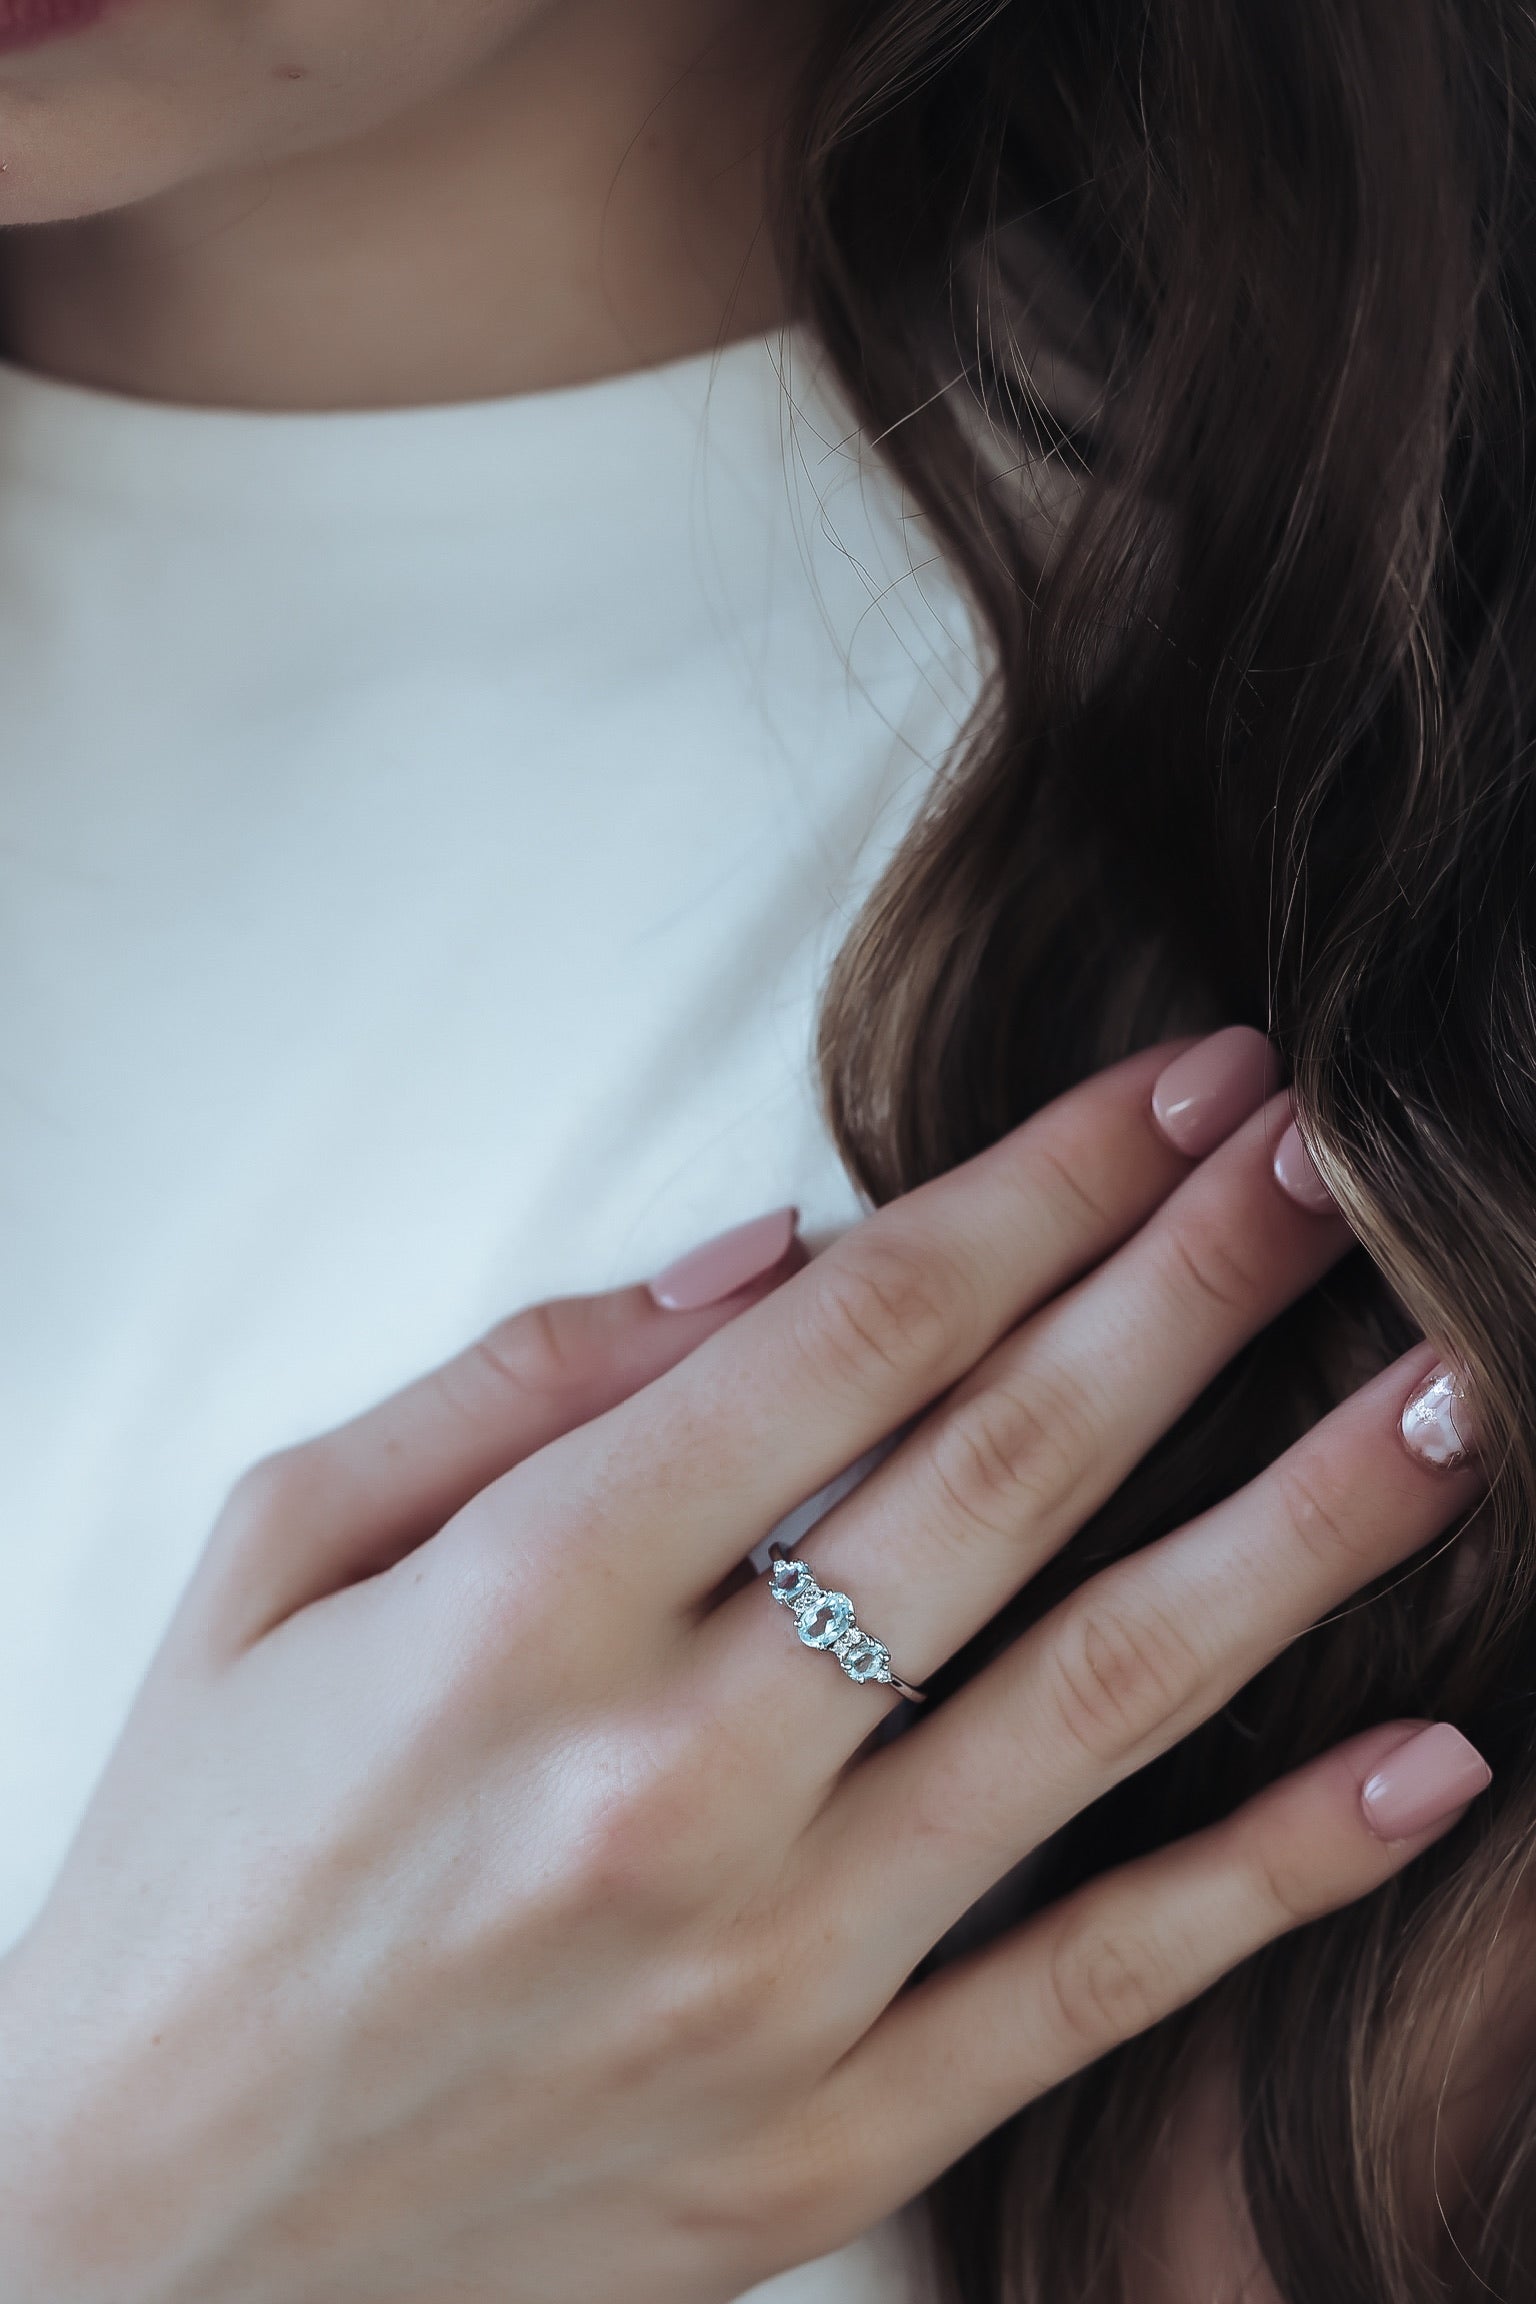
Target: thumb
{"points": [[349, 1504]]}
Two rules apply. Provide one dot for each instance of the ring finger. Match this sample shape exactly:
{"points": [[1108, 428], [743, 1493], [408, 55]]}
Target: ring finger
{"points": [[996, 1478]]}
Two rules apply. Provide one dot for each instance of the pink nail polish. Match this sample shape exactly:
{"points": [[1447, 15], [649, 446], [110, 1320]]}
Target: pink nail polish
{"points": [[1438, 1423], [709, 1274], [1424, 1783], [1203, 1095], [1297, 1176]]}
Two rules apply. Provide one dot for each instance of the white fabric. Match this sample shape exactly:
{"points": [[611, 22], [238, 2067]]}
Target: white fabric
{"points": [[422, 838]]}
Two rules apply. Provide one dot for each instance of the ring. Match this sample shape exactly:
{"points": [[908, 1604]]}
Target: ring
{"points": [[825, 1620]]}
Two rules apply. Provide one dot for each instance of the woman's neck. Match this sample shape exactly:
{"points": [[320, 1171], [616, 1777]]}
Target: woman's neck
{"points": [[592, 202]]}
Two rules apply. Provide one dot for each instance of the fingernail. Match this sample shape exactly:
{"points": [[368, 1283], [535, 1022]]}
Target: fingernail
{"points": [[1438, 1423], [1202, 1095], [709, 1274], [1297, 1176], [1423, 1783]]}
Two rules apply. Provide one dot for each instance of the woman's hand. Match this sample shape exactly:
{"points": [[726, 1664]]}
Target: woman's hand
{"points": [[480, 1905]]}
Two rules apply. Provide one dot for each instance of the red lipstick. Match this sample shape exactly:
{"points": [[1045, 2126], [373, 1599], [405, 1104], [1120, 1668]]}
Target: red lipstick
{"points": [[27, 23]]}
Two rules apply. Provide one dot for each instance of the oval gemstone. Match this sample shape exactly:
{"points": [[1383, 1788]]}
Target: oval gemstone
{"points": [[862, 1658], [825, 1619], [790, 1580]]}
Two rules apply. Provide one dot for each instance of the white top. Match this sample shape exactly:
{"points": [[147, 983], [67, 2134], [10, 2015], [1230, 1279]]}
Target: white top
{"points": [[423, 836]]}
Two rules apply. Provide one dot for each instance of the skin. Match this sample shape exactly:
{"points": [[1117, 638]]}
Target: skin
{"points": [[243, 197], [456, 1915], [564, 1968]]}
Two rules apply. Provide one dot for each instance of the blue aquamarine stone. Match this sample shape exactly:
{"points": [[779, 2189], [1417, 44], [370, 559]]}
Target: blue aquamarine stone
{"points": [[862, 1658], [824, 1619], [791, 1582]]}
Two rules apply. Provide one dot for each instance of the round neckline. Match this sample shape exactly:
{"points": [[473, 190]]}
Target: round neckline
{"points": [[19, 380], [624, 432]]}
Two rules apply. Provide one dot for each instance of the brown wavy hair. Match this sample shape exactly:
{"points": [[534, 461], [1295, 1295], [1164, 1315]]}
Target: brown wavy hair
{"points": [[1204, 332]]}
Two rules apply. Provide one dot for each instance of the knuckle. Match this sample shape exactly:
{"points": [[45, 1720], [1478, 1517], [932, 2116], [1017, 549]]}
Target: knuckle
{"points": [[1285, 1881], [532, 1356], [1210, 1266], [513, 1547], [1064, 1175], [1120, 1672], [707, 2005], [703, 2011], [1289, 1892], [1107, 1986], [628, 1855], [951, 1810], [806, 2184], [1006, 1454], [269, 1492], [936, 1809], [889, 1308], [742, 2205], [1314, 1505], [642, 1836]]}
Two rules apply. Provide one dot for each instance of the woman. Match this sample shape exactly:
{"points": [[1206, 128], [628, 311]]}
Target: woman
{"points": [[443, 759]]}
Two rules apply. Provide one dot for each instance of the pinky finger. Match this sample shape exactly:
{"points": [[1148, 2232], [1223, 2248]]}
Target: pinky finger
{"points": [[957, 2056]]}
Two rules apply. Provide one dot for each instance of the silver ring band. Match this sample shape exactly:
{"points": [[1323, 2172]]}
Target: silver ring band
{"points": [[825, 1620]]}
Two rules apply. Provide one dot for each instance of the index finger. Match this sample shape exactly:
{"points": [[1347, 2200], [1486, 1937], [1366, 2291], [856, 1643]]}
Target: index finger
{"points": [[764, 1415]]}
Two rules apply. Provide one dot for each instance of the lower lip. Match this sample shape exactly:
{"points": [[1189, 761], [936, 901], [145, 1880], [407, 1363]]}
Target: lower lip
{"points": [[28, 23]]}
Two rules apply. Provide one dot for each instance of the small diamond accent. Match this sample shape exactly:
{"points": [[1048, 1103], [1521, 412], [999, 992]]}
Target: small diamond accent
{"points": [[825, 1620]]}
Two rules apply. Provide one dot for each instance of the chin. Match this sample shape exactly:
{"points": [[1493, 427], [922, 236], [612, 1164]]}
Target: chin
{"points": [[62, 161]]}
